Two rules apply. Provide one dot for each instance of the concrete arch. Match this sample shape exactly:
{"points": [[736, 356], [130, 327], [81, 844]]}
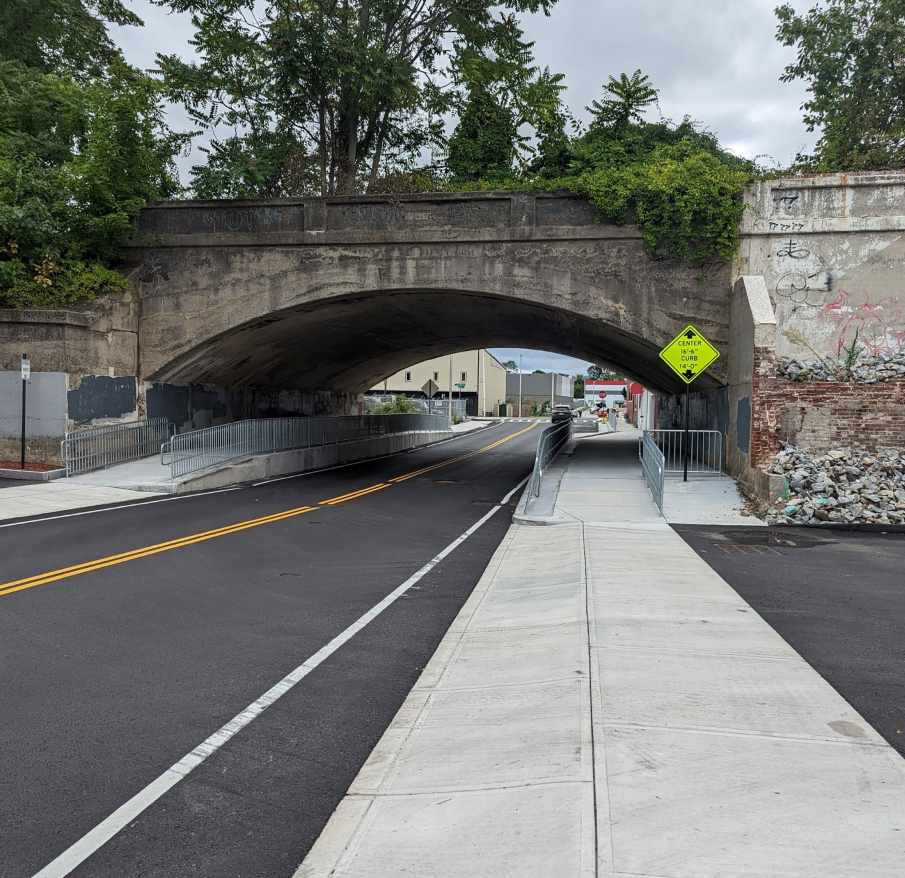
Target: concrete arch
{"points": [[333, 295], [349, 343]]}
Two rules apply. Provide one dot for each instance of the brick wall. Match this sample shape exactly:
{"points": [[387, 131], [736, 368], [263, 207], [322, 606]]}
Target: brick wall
{"points": [[820, 415]]}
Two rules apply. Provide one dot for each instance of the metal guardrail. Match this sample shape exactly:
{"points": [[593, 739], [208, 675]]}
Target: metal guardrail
{"points": [[549, 443], [99, 447], [653, 465], [705, 449], [188, 452]]}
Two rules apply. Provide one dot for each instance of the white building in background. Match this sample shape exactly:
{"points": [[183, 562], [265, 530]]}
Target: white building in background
{"points": [[477, 377], [610, 391]]}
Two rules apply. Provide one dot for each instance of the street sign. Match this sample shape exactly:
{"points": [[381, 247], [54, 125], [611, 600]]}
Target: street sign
{"points": [[26, 368], [429, 389], [602, 394], [461, 385], [689, 354]]}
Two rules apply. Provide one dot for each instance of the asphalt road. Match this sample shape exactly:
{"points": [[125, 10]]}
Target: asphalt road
{"points": [[838, 597], [111, 675]]}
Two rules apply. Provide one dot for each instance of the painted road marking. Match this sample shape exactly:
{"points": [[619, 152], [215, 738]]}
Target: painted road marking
{"points": [[77, 853], [427, 469], [354, 495], [131, 555], [192, 496], [51, 576]]}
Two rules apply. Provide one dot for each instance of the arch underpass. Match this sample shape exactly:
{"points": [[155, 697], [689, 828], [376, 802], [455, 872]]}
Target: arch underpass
{"points": [[333, 295]]}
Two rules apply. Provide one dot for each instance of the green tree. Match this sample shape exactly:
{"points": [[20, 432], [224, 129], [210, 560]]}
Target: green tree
{"points": [[851, 54], [501, 99], [578, 387], [626, 98], [358, 88], [595, 372], [510, 366], [79, 155], [483, 145], [61, 36]]}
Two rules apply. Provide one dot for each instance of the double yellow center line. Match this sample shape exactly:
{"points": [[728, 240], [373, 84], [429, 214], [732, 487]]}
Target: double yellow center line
{"points": [[144, 552], [122, 557]]}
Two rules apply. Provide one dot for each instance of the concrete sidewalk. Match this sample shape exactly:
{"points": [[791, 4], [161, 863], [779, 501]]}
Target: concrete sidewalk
{"points": [[604, 470], [605, 704]]}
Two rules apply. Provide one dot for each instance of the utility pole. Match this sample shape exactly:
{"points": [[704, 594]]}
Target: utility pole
{"points": [[26, 375], [552, 388], [480, 397], [449, 402], [519, 385], [484, 382]]}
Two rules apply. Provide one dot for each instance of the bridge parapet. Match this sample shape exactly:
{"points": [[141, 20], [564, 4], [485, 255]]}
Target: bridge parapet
{"points": [[418, 218]]}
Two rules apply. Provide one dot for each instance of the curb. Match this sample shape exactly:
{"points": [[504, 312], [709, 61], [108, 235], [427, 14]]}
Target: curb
{"points": [[27, 475], [185, 487]]}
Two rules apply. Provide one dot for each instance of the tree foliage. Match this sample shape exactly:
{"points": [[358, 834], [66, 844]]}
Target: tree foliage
{"points": [[851, 54], [625, 100], [83, 146], [674, 181], [353, 89], [578, 387]]}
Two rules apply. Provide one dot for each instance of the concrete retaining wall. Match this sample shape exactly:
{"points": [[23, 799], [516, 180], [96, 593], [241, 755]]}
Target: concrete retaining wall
{"points": [[282, 463]]}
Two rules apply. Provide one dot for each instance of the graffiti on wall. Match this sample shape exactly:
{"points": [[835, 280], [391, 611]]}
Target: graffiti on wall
{"points": [[830, 292], [878, 325]]}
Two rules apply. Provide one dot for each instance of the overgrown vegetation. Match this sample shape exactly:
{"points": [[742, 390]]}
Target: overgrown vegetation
{"points": [[400, 405], [83, 146], [674, 181]]}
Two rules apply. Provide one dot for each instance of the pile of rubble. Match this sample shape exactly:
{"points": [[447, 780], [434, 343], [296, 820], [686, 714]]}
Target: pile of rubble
{"points": [[850, 486], [866, 370]]}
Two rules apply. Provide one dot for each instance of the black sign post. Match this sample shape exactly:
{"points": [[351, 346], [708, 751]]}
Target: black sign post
{"points": [[685, 448], [26, 374]]}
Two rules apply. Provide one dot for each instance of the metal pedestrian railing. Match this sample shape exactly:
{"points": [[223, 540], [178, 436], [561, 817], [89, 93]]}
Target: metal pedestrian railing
{"points": [[99, 447], [705, 450], [549, 444], [197, 449], [653, 465]]}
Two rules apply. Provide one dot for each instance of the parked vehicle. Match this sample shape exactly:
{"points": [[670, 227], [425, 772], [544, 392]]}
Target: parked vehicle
{"points": [[562, 413]]}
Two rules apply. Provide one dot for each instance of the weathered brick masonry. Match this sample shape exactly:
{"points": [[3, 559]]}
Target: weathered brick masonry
{"points": [[821, 415]]}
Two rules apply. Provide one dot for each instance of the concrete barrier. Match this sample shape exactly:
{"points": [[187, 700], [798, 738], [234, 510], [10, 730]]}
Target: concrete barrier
{"points": [[301, 460]]}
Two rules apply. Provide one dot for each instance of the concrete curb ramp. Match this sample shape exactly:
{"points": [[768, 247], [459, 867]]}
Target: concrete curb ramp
{"points": [[605, 704]]}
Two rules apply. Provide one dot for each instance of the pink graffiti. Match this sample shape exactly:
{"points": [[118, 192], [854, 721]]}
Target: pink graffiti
{"points": [[869, 320]]}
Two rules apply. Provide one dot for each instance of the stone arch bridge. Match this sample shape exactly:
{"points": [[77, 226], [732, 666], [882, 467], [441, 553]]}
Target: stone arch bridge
{"points": [[332, 295]]}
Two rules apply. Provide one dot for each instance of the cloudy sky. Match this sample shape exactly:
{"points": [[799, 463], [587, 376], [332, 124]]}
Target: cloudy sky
{"points": [[714, 60]]}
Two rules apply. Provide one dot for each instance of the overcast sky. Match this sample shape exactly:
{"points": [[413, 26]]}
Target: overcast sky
{"points": [[714, 60]]}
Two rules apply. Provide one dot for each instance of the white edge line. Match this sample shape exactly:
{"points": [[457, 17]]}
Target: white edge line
{"points": [[328, 469], [92, 841], [95, 511]]}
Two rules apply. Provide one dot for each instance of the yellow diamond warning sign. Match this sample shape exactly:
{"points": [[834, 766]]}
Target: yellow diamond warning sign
{"points": [[689, 354]]}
